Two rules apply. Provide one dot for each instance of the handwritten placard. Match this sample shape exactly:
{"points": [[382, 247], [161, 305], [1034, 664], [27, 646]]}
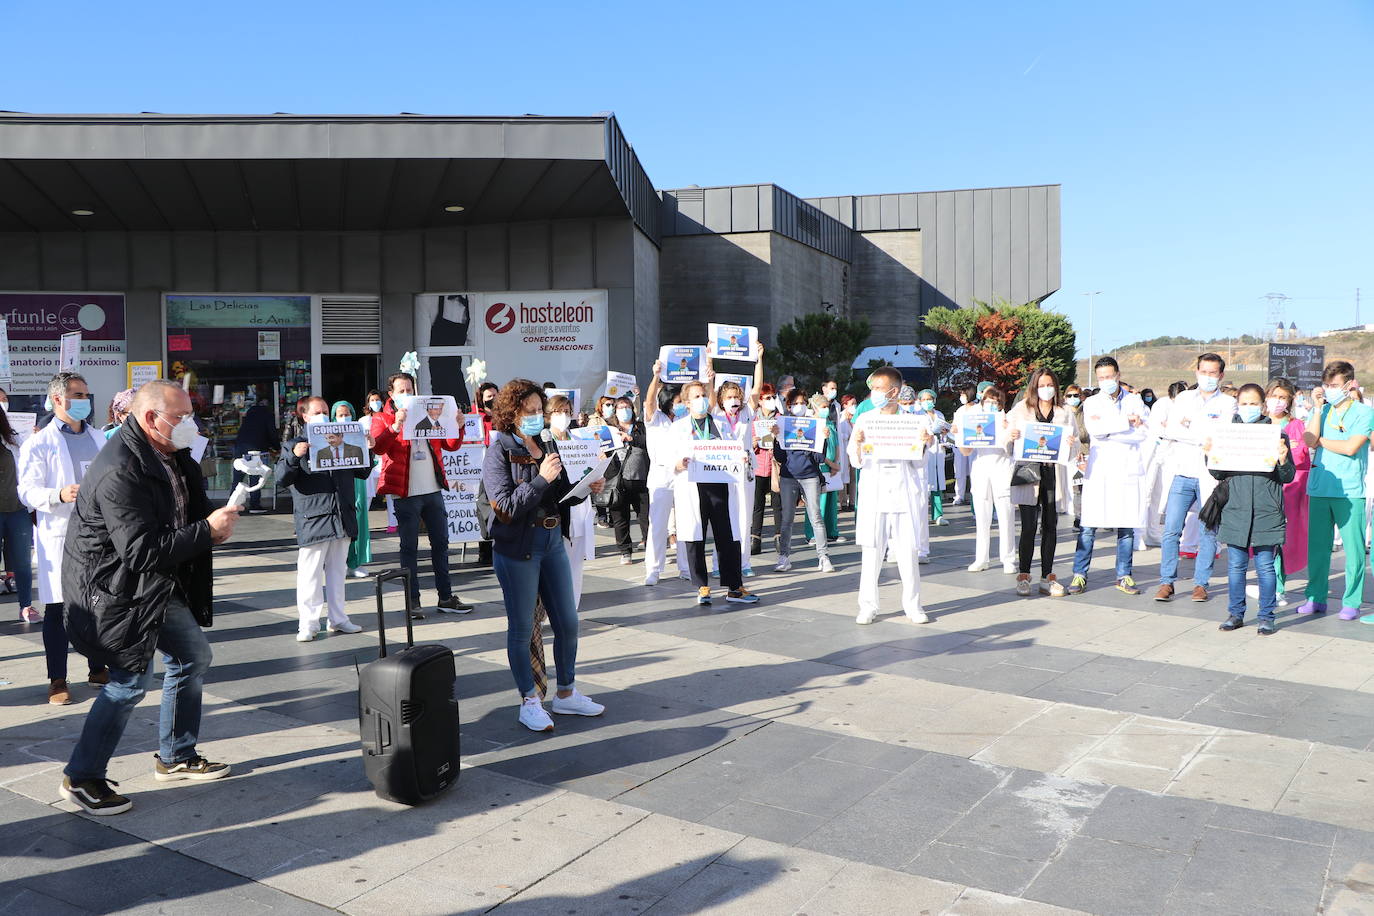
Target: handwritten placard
{"points": [[893, 437], [1244, 447], [717, 461]]}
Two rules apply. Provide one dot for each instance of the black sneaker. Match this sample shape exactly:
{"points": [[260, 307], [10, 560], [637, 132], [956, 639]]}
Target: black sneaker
{"points": [[197, 768], [1232, 623], [454, 605], [94, 796]]}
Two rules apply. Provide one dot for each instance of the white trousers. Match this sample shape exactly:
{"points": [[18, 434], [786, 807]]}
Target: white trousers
{"points": [[961, 466], [986, 498], [655, 552], [1157, 496], [895, 531], [322, 566]]}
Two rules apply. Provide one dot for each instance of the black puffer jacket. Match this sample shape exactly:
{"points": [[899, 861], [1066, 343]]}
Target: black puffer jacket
{"points": [[322, 501], [123, 560]]}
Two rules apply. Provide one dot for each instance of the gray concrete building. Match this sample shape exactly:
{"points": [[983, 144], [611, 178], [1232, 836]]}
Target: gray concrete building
{"points": [[258, 258]]}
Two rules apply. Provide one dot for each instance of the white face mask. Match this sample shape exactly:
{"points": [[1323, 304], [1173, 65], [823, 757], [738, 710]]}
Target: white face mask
{"points": [[732, 404], [184, 433], [699, 405], [1109, 386], [1046, 392], [830, 394], [798, 410], [316, 418], [963, 399], [1207, 382], [1335, 396], [991, 406], [559, 422], [770, 404]]}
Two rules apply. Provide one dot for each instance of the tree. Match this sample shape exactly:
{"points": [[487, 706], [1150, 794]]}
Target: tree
{"points": [[1002, 342], [816, 347]]}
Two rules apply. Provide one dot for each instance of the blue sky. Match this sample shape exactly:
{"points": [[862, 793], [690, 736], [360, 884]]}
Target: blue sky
{"points": [[1210, 152]]}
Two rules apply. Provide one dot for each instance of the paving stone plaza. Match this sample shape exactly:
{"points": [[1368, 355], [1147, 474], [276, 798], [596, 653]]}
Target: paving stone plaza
{"points": [[1101, 754]]}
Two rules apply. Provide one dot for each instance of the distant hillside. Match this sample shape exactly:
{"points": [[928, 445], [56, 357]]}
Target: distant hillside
{"points": [[1157, 367]]}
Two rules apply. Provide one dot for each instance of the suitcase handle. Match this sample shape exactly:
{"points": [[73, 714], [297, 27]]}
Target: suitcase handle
{"points": [[383, 577]]}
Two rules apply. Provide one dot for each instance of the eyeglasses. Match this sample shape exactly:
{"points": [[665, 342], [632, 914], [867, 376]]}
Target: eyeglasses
{"points": [[178, 417]]}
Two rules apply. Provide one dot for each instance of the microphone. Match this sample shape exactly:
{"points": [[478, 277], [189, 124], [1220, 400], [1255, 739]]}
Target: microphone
{"points": [[546, 437]]}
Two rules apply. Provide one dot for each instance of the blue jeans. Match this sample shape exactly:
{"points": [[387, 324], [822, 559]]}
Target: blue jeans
{"points": [[1184, 493], [545, 574], [1125, 541], [186, 657], [409, 511], [16, 528], [1238, 562]]}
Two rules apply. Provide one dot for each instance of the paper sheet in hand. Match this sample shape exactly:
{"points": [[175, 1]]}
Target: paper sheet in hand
{"points": [[1244, 447], [198, 446], [745, 382], [583, 486], [609, 437], [893, 437], [22, 423], [977, 430], [336, 447], [1106, 423], [579, 457], [431, 416], [801, 434], [620, 385], [1043, 442], [574, 396], [717, 461], [732, 341], [681, 364]]}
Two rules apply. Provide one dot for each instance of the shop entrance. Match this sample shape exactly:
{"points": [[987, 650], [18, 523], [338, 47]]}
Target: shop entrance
{"points": [[349, 377]]}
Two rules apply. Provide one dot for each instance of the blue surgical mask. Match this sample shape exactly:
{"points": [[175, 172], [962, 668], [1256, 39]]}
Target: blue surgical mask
{"points": [[79, 408], [1072, 400], [927, 406], [907, 408], [1335, 395], [1249, 413], [878, 399], [376, 405], [1110, 386], [679, 410], [624, 414], [1207, 382], [700, 405], [532, 425]]}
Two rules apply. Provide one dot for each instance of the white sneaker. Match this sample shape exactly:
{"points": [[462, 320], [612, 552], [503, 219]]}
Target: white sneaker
{"points": [[918, 617], [533, 716], [941, 522], [1009, 568], [307, 636], [836, 540], [784, 564], [979, 567], [651, 579], [863, 619], [826, 565], [360, 573], [347, 626], [576, 705], [923, 559]]}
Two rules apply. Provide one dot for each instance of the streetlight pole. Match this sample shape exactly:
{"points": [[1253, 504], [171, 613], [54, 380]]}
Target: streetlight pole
{"points": [[1092, 301]]}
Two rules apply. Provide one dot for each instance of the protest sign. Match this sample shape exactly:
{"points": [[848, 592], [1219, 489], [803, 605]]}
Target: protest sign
{"points": [[801, 434], [141, 372], [893, 437], [69, 352], [463, 469], [474, 432], [431, 416], [745, 382], [609, 437], [336, 447], [681, 364], [579, 457], [1044, 442], [732, 341], [574, 396], [977, 430], [717, 461], [582, 484], [621, 385], [22, 423], [1244, 447], [763, 431]]}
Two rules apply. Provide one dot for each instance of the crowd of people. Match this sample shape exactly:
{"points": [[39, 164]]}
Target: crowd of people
{"points": [[124, 530]]}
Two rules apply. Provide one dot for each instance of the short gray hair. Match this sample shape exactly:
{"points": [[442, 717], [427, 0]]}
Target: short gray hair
{"points": [[60, 381], [152, 395]]}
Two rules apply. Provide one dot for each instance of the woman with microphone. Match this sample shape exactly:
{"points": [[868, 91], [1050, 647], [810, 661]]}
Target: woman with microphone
{"points": [[525, 483]]}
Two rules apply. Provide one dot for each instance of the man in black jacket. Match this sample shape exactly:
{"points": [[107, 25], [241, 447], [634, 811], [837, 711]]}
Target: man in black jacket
{"points": [[137, 578]]}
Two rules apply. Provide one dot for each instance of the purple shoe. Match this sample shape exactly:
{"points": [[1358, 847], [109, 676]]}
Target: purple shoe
{"points": [[1311, 607], [1349, 613]]}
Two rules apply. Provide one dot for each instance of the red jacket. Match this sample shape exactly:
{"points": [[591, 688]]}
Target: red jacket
{"points": [[394, 450]]}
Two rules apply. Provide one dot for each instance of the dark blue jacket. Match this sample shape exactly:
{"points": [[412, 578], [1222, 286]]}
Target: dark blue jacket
{"points": [[323, 502], [520, 498]]}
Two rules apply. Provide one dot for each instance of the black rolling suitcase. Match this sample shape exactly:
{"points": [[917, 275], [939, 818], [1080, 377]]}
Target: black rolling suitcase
{"points": [[407, 715]]}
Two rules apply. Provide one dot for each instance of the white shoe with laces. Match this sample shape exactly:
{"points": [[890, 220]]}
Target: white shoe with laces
{"points": [[533, 716], [826, 565], [347, 626], [918, 617], [575, 704], [784, 564]]}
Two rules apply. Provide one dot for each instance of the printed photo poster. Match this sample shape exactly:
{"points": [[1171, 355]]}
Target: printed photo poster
{"points": [[621, 385], [1044, 442], [608, 438], [337, 447], [682, 364], [977, 430], [463, 469], [764, 431], [745, 382], [1244, 447], [801, 434], [717, 461], [574, 396], [432, 416], [893, 438], [732, 341]]}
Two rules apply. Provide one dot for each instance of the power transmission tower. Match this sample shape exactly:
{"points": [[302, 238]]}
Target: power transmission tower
{"points": [[1274, 316]]}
